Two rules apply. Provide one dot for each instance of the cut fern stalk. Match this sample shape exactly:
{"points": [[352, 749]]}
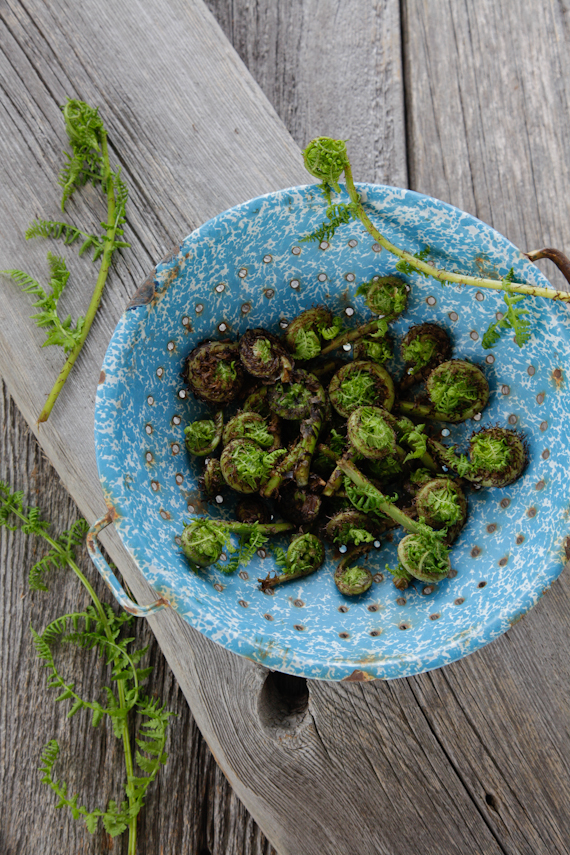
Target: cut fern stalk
{"points": [[89, 161], [116, 818], [113, 223], [384, 505], [327, 160], [352, 335]]}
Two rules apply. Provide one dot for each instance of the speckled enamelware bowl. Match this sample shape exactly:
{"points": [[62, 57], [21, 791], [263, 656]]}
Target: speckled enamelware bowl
{"points": [[248, 268]]}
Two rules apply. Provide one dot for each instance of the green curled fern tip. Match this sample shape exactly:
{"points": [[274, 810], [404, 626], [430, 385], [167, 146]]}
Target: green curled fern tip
{"points": [[83, 123], [326, 159]]}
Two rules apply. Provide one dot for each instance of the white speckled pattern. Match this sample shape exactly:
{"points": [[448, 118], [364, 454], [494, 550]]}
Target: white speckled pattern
{"points": [[514, 538]]}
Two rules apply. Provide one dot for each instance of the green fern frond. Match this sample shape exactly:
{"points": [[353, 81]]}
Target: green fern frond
{"points": [[280, 556], [307, 345], [513, 319], [407, 268], [337, 215], [57, 230], [328, 333], [58, 332], [86, 132]]}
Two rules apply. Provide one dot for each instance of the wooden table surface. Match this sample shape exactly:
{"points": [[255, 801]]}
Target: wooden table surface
{"points": [[466, 101]]}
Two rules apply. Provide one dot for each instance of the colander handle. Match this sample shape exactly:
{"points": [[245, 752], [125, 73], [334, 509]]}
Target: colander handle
{"points": [[110, 578], [561, 261]]}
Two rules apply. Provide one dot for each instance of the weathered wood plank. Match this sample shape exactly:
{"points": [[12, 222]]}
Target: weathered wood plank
{"points": [[40, 73], [190, 809], [487, 92], [431, 742], [487, 101], [329, 71]]}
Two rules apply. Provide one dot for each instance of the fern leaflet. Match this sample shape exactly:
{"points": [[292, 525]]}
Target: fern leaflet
{"points": [[337, 215], [513, 319]]}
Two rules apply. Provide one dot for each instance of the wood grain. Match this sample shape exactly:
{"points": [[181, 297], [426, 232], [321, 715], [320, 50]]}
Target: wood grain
{"points": [[487, 99], [329, 69], [175, 122], [191, 808], [487, 89], [471, 758]]}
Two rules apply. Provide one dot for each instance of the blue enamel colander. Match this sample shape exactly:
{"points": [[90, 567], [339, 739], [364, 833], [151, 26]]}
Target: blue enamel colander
{"points": [[247, 267]]}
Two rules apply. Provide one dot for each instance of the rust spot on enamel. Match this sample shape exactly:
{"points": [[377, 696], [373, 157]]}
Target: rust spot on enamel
{"points": [[358, 676], [112, 514], [102, 377], [558, 378]]}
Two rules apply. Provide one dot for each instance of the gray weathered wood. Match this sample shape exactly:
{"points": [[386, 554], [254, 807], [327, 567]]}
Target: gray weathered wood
{"points": [[472, 758], [191, 808], [487, 106], [329, 70], [487, 89], [166, 146]]}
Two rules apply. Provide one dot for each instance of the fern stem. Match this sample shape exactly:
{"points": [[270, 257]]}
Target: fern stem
{"points": [[444, 275], [353, 335], [129, 766], [125, 736], [384, 505], [108, 249]]}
